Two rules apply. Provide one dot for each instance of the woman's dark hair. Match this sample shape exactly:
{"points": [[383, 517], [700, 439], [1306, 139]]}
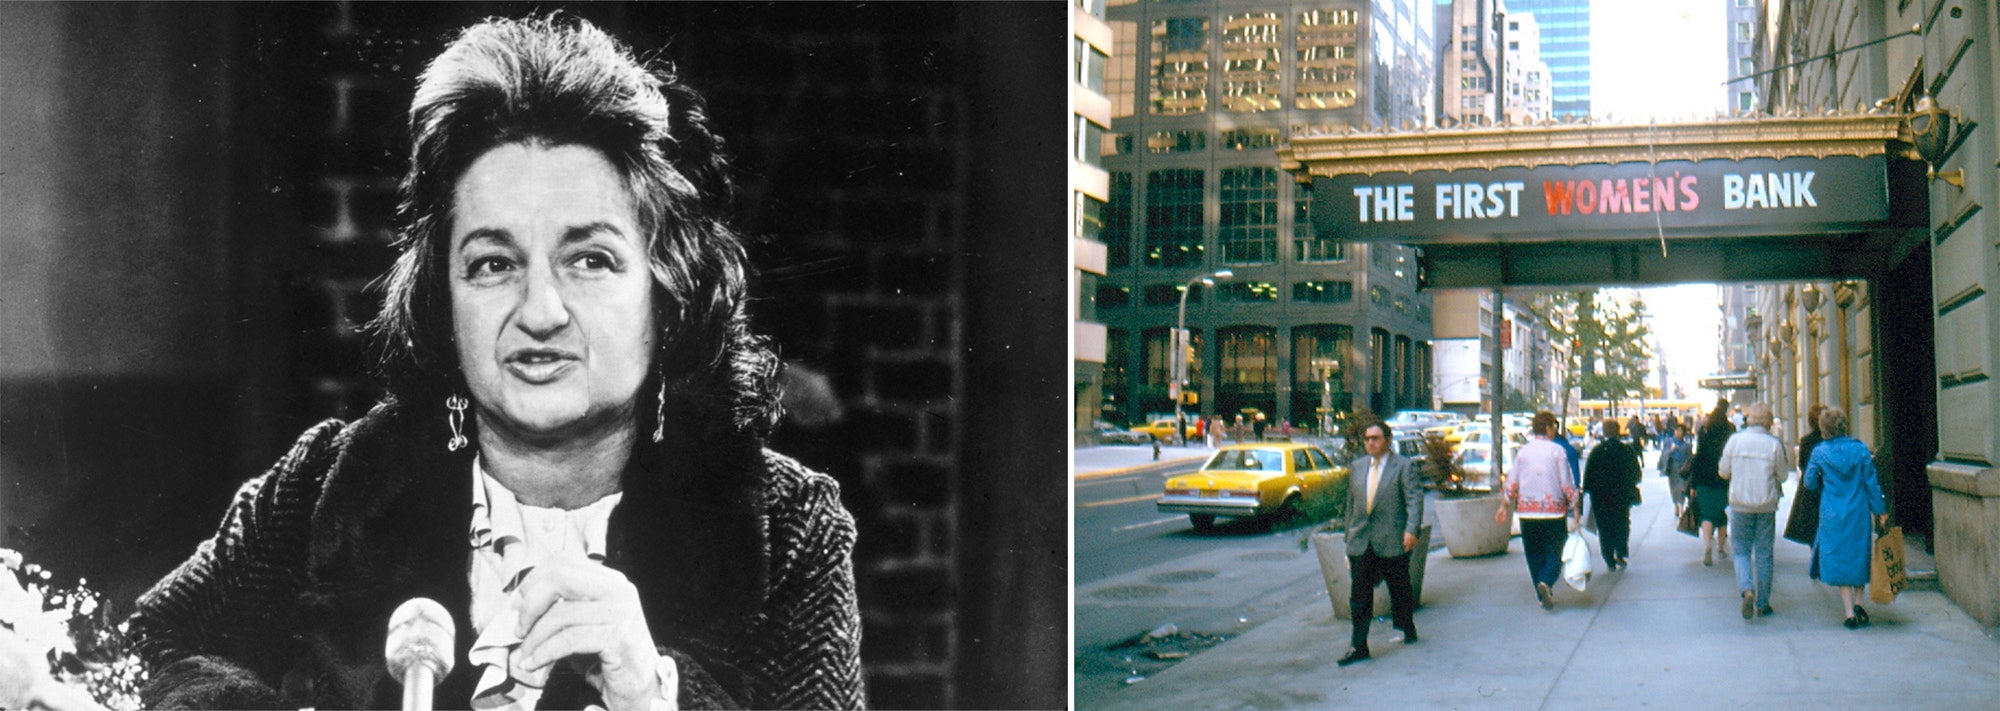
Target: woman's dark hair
{"points": [[560, 81], [1717, 417]]}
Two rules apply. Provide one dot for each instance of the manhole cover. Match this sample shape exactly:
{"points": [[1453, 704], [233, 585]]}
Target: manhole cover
{"points": [[1182, 576], [1267, 555], [1130, 592]]}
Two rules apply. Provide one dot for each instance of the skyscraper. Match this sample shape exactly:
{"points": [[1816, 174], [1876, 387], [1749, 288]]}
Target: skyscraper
{"points": [[1202, 94], [1565, 29]]}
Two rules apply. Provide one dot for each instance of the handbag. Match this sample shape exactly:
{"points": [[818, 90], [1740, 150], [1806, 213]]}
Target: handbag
{"points": [[1885, 572], [1576, 561], [1690, 522]]}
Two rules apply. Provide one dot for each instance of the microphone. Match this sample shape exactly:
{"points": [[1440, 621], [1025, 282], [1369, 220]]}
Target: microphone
{"points": [[419, 649]]}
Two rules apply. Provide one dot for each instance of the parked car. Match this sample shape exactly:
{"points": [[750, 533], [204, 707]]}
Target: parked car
{"points": [[1476, 460], [1255, 480], [1163, 430], [1108, 433]]}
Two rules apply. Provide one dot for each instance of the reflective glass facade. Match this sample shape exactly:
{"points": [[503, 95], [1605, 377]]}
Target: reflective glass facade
{"points": [[1565, 26], [1196, 187]]}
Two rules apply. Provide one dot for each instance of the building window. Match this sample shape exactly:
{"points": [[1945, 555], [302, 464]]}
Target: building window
{"points": [[1089, 217], [1746, 67], [1249, 139], [1249, 357], [1251, 71], [1321, 357], [1323, 292], [1311, 247], [1378, 358], [1115, 353], [1745, 102], [1326, 66], [1173, 217], [1743, 32], [1170, 294], [1086, 297], [1249, 226], [1117, 144], [1246, 292], [1159, 363], [1090, 64], [1177, 141], [1113, 297], [1120, 75], [1180, 66], [1089, 142], [1117, 231], [1406, 371]]}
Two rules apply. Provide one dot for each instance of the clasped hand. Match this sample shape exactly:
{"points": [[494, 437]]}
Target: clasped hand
{"points": [[577, 609]]}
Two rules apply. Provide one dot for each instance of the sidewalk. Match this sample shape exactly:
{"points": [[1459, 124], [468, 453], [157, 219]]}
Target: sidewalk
{"points": [[1112, 460], [1665, 632]]}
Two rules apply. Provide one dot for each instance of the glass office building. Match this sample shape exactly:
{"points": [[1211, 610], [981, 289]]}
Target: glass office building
{"points": [[1202, 94]]}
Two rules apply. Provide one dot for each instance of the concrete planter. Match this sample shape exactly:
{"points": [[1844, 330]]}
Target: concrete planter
{"points": [[1469, 528], [1332, 551]]}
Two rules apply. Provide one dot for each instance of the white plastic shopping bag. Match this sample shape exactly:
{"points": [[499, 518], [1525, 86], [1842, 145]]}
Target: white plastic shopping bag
{"points": [[1576, 560]]}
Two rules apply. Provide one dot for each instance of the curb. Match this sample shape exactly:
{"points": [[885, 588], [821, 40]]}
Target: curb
{"points": [[1149, 466]]}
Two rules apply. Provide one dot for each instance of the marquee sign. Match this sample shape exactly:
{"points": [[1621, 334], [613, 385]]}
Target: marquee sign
{"points": [[1715, 197]]}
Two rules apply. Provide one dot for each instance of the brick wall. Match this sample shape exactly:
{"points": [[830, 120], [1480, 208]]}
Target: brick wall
{"points": [[853, 137]]}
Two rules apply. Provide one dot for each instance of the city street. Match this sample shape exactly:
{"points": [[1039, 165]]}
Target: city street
{"points": [[1253, 628], [1138, 569]]}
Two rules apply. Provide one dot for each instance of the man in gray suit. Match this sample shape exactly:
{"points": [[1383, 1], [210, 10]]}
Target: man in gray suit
{"points": [[1385, 507]]}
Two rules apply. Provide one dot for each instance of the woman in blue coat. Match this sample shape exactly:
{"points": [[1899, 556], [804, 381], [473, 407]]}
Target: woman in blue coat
{"points": [[1843, 470]]}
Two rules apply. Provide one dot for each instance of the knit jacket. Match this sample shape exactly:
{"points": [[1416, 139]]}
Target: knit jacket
{"points": [[1539, 485], [741, 558]]}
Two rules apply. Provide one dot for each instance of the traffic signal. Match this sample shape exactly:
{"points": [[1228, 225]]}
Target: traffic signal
{"points": [[1423, 269], [1190, 397]]}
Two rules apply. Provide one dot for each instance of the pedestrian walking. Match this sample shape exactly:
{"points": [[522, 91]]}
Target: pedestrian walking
{"points": [[1842, 470], [1611, 478], [1756, 464], [1384, 512], [1571, 456], [1638, 434], [1803, 525], [1676, 455], [1543, 493], [1711, 493]]}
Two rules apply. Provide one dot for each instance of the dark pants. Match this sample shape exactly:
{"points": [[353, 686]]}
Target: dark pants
{"points": [[1614, 527], [1368, 569], [1542, 539]]}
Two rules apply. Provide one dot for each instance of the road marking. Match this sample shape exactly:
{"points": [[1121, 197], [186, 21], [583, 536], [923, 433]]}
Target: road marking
{"points": [[1115, 502], [1122, 529]]}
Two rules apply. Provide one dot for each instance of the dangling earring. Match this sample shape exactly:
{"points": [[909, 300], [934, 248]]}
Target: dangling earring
{"points": [[456, 404], [660, 412]]}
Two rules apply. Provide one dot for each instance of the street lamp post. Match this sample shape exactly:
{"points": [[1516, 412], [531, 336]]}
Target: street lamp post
{"points": [[1181, 342], [1327, 367]]}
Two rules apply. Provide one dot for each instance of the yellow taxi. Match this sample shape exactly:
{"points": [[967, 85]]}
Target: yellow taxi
{"points": [[1253, 480], [1163, 429]]}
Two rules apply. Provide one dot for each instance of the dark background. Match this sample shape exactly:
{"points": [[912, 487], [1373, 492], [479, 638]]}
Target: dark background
{"points": [[197, 195]]}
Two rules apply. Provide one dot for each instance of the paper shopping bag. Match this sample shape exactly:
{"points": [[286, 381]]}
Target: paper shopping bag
{"points": [[1690, 521], [1885, 573]]}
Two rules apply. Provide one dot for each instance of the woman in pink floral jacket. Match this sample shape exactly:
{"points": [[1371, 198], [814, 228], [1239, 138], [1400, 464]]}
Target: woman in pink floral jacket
{"points": [[1541, 491]]}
